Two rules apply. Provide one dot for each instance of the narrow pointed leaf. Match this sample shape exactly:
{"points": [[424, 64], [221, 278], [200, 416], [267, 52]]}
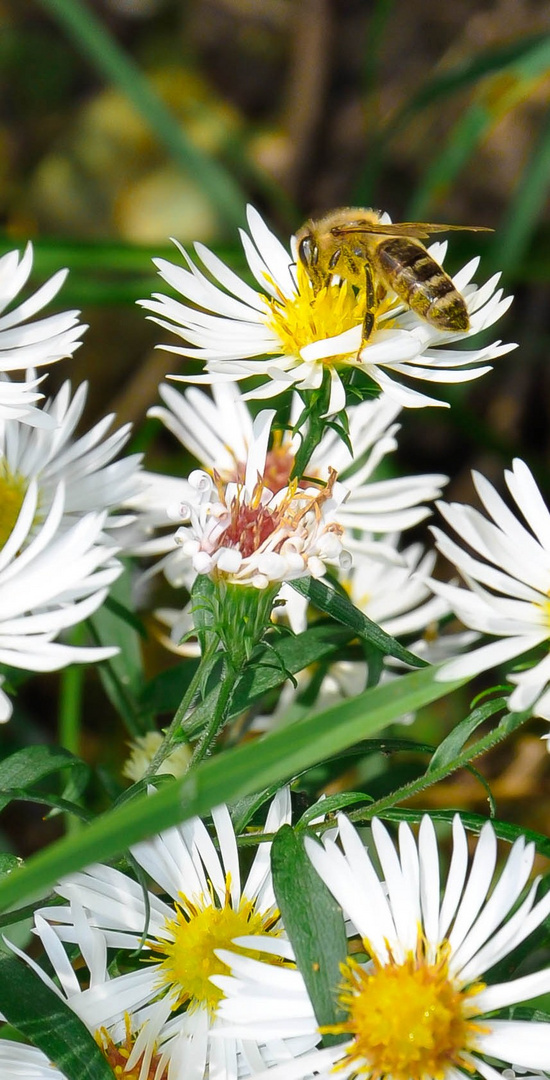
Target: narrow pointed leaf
{"points": [[340, 608], [39, 1014], [314, 923], [227, 777]]}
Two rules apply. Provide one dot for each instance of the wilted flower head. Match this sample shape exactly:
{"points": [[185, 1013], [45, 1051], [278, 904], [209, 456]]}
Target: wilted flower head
{"points": [[251, 536]]}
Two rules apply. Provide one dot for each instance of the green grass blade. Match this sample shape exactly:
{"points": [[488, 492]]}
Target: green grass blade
{"points": [[525, 209], [435, 91], [110, 60], [227, 777], [340, 608], [512, 85]]}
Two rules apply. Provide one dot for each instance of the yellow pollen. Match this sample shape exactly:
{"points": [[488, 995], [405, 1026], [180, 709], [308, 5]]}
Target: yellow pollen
{"points": [[197, 929], [408, 1019], [12, 494], [306, 317], [118, 1054]]}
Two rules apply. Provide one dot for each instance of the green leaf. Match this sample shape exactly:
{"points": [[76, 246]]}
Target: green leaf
{"points": [[244, 809], [330, 805], [292, 654], [473, 822], [203, 607], [525, 208], [23, 913], [314, 923], [40, 1014], [452, 746], [22, 770], [122, 676], [163, 693], [438, 87], [224, 778], [468, 71], [9, 863], [340, 608]]}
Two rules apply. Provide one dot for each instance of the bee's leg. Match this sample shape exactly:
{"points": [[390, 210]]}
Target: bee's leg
{"points": [[370, 308]]}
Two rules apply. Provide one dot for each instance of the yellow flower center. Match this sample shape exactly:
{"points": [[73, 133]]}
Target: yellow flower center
{"points": [[12, 494], [195, 932], [306, 317], [408, 1019]]}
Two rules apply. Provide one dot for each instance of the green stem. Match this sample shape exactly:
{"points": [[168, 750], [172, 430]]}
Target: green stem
{"points": [[171, 736], [219, 715], [316, 403], [70, 708], [70, 717], [434, 776]]}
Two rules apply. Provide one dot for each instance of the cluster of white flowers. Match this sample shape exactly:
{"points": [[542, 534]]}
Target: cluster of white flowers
{"points": [[60, 495], [243, 515], [221, 995]]}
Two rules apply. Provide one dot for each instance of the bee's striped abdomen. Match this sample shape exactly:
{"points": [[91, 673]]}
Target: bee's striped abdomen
{"points": [[421, 283]]}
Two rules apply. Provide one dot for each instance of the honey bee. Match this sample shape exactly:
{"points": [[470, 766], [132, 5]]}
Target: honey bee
{"points": [[354, 244]]}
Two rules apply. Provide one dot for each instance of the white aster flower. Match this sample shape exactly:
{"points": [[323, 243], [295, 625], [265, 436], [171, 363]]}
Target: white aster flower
{"points": [[207, 908], [25, 344], [248, 535], [508, 585], [289, 335], [418, 1006], [50, 579], [51, 455], [101, 1002], [219, 433]]}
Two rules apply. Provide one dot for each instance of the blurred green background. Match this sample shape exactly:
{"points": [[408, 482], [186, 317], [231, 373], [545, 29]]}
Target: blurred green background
{"points": [[125, 122]]}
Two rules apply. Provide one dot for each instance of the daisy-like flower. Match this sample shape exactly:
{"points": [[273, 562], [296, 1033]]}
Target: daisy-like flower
{"points": [[508, 584], [93, 480], [250, 536], [207, 908], [219, 433], [25, 344], [50, 579], [418, 1005], [101, 1002], [291, 336]]}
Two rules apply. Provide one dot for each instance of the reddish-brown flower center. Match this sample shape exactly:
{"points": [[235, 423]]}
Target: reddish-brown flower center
{"points": [[250, 527]]}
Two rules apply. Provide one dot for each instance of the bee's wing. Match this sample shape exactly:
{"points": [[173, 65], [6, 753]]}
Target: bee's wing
{"points": [[418, 229]]}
